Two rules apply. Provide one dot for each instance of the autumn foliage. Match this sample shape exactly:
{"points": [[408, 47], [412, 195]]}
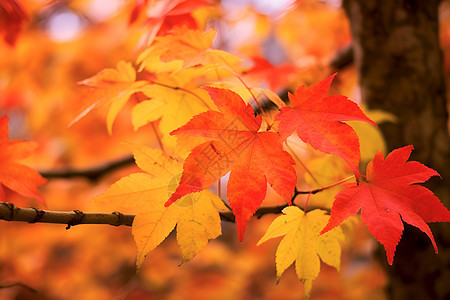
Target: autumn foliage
{"points": [[200, 120], [14, 175]]}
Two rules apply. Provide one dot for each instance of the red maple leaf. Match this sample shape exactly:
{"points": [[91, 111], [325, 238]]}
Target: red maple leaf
{"points": [[12, 18], [275, 76], [254, 158], [318, 121], [389, 196], [163, 16], [17, 177]]}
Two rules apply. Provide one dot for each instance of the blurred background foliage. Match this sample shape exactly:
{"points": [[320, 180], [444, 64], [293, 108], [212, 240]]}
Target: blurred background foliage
{"points": [[59, 43]]}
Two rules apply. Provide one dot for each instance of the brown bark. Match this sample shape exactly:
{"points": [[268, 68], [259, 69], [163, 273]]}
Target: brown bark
{"points": [[399, 61]]}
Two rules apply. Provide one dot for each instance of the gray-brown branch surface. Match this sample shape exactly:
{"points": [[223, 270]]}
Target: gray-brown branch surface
{"points": [[10, 212]]}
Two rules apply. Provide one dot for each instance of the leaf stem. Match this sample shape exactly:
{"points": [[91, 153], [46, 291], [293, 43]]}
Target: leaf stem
{"points": [[254, 98], [315, 191], [306, 203], [175, 88], [158, 138]]}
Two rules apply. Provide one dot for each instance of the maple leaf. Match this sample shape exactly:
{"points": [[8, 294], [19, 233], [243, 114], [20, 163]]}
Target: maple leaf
{"points": [[117, 84], [17, 177], [275, 76], [164, 16], [172, 99], [12, 18], [195, 216], [193, 47], [318, 121], [327, 170], [254, 158], [389, 196], [301, 243], [371, 139]]}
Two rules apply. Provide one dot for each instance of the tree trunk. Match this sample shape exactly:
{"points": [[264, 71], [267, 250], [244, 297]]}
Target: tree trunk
{"points": [[399, 61]]}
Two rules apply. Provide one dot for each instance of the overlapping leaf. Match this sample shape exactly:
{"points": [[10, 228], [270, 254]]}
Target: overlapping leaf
{"points": [[162, 16], [254, 158], [12, 19], [301, 243], [277, 77], [117, 86], [327, 170], [172, 99], [371, 139], [318, 121], [193, 47], [170, 73], [16, 176], [196, 216], [389, 196]]}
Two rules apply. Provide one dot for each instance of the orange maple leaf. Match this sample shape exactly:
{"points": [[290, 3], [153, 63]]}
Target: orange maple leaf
{"points": [[254, 158], [15, 176]]}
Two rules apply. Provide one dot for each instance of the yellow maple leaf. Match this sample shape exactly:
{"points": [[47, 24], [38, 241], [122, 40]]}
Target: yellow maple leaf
{"points": [[301, 243], [117, 85], [174, 99], [195, 215], [193, 47]]}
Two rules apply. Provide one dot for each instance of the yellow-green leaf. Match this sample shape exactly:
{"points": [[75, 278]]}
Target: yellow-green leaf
{"points": [[197, 224], [301, 243], [150, 228], [193, 47], [174, 99], [195, 215]]}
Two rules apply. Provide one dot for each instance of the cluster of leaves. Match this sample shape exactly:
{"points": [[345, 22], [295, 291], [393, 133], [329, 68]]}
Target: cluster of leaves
{"points": [[196, 100], [170, 73]]}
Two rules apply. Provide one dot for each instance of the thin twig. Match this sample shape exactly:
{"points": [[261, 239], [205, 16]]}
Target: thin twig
{"points": [[296, 192], [175, 88], [7, 286], [93, 173], [343, 58], [158, 138], [12, 213]]}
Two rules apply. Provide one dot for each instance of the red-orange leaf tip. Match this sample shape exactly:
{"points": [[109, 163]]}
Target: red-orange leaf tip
{"points": [[17, 177]]}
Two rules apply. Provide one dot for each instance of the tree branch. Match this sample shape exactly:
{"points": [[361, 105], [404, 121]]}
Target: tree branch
{"points": [[343, 58], [93, 174], [7, 286], [10, 212]]}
